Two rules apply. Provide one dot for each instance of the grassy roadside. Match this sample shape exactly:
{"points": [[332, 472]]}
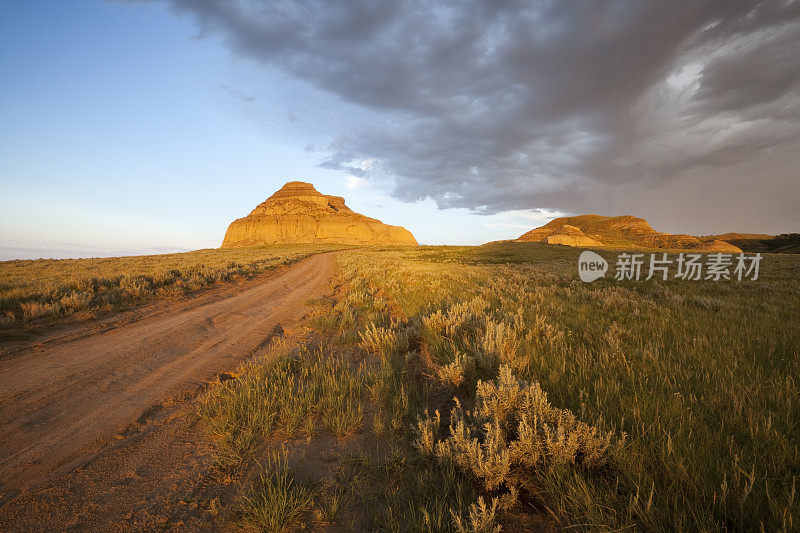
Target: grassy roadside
{"points": [[44, 290], [461, 389]]}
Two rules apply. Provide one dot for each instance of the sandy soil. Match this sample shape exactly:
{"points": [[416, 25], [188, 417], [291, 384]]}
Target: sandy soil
{"points": [[95, 426]]}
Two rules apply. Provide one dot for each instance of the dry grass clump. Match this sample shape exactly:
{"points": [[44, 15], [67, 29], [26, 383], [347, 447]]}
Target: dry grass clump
{"points": [[466, 339], [458, 371], [383, 341], [512, 433], [33, 310], [482, 518], [458, 319], [77, 301]]}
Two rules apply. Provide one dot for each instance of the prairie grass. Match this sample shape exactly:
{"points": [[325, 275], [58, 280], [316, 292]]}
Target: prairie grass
{"points": [[288, 396], [277, 501], [51, 288], [659, 406], [397, 491]]}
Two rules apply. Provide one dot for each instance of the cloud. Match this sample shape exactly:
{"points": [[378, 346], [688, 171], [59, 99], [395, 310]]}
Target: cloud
{"points": [[497, 106], [354, 182], [521, 219]]}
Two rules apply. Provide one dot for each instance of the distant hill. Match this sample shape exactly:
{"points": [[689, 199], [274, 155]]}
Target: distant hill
{"points": [[788, 243], [624, 231], [298, 213]]}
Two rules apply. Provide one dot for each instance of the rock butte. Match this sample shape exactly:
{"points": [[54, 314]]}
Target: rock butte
{"points": [[298, 213], [571, 236], [617, 232]]}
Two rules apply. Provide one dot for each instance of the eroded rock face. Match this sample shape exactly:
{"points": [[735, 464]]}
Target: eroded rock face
{"points": [[571, 236], [298, 213]]}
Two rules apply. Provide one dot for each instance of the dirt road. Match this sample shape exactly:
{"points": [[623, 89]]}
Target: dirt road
{"points": [[84, 417]]}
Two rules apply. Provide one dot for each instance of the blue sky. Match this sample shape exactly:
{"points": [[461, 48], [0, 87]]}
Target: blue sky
{"points": [[121, 132], [145, 126]]}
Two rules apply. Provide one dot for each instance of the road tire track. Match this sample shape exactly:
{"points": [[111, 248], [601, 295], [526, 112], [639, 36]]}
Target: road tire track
{"points": [[68, 403]]}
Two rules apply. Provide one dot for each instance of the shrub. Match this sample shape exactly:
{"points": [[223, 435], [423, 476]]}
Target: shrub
{"points": [[383, 341], [458, 318], [513, 432], [500, 342], [32, 310], [76, 301], [458, 370], [481, 518]]}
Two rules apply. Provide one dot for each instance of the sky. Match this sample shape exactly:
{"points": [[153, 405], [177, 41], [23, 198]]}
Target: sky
{"points": [[147, 126]]}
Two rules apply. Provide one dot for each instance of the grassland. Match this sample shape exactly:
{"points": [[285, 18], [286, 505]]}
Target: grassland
{"points": [[471, 388], [466, 388], [44, 290]]}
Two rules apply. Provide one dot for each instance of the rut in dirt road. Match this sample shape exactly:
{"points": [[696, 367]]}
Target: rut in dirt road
{"points": [[64, 404]]}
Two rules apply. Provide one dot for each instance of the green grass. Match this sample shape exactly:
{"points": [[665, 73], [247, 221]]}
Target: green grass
{"points": [[400, 492], [277, 502], [692, 388], [46, 289], [289, 395]]}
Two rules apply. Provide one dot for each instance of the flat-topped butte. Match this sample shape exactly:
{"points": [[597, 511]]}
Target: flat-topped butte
{"points": [[298, 213]]}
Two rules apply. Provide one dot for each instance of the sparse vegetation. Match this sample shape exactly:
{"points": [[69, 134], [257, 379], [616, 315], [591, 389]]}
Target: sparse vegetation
{"points": [[651, 405], [32, 290]]}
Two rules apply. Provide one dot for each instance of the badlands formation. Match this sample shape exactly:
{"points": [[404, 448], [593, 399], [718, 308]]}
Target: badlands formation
{"points": [[298, 213], [594, 231]]}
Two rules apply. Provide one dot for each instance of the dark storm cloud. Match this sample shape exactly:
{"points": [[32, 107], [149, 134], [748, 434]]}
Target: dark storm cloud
{"points": [[507, 105]]}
